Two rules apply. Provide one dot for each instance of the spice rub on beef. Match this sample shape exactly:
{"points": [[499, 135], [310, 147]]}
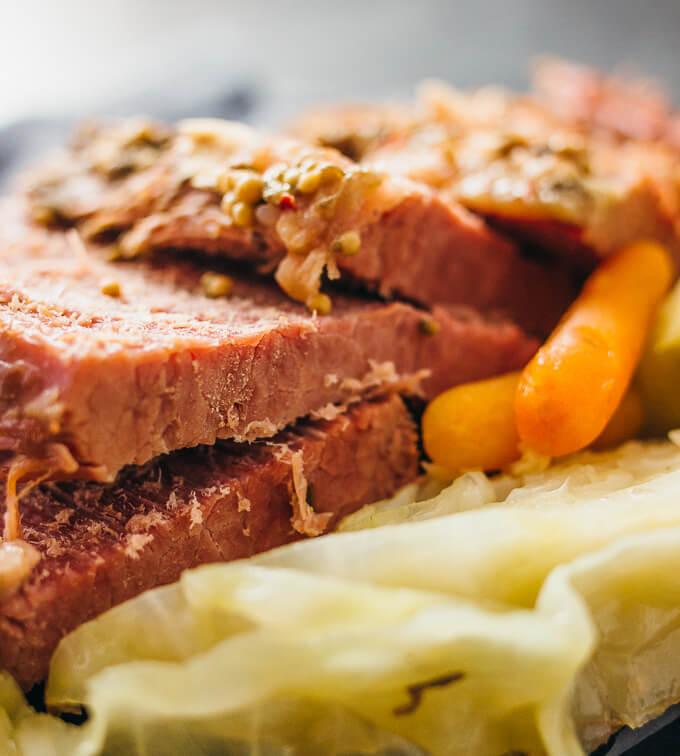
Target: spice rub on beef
{"points": [[102, 544], [511, 160], [305, 211], [120, 362]]}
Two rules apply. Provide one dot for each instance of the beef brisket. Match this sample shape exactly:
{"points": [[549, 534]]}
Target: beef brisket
{"points": [[102, 544], [304, 202], [121, 362], [576, 194]]}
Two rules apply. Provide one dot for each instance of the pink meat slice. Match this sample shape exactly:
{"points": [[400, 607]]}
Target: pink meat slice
{"points": [[102, 544], [415, 245], [118, 380], [550, 172]]}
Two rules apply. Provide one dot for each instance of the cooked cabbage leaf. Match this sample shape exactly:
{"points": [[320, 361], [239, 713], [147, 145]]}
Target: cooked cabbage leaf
{"points": [[659, 370], [536, 624]]}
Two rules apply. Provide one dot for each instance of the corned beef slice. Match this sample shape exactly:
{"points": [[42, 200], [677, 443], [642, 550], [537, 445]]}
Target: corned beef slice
{"points": [[576, 194], [121, 379], [102, 544], [413, 244]]}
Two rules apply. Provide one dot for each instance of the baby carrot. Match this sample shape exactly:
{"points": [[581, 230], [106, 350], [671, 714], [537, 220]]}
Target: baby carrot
{"points": [[472, 426], [571, 388]]}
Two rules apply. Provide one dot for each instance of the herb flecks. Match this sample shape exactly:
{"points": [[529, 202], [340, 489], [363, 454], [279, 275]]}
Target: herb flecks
{"points": [[429, 326], [417, 690]]}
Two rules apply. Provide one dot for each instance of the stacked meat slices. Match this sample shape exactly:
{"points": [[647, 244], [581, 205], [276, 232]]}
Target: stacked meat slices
{"points": [[207, 335], [186, 409]]}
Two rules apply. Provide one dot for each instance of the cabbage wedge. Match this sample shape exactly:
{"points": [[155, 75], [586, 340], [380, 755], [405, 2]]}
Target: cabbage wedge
{"points": [[537, 624]]}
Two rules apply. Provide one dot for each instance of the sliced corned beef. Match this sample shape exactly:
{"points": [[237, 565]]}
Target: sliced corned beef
{"points": [[120, 362], [297, 208], [574, 193], [102, 544]]}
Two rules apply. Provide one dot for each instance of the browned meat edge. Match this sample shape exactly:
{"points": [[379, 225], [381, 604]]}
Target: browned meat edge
{"points": [[102, 544]]}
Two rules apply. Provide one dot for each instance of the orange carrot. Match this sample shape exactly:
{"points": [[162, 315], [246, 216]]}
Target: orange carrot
{"points": [[571, 388], [472, 426]]}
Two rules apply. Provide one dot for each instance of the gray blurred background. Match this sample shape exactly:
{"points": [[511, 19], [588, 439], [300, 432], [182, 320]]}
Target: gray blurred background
{"points": [[76, 57], [260, 61]]}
